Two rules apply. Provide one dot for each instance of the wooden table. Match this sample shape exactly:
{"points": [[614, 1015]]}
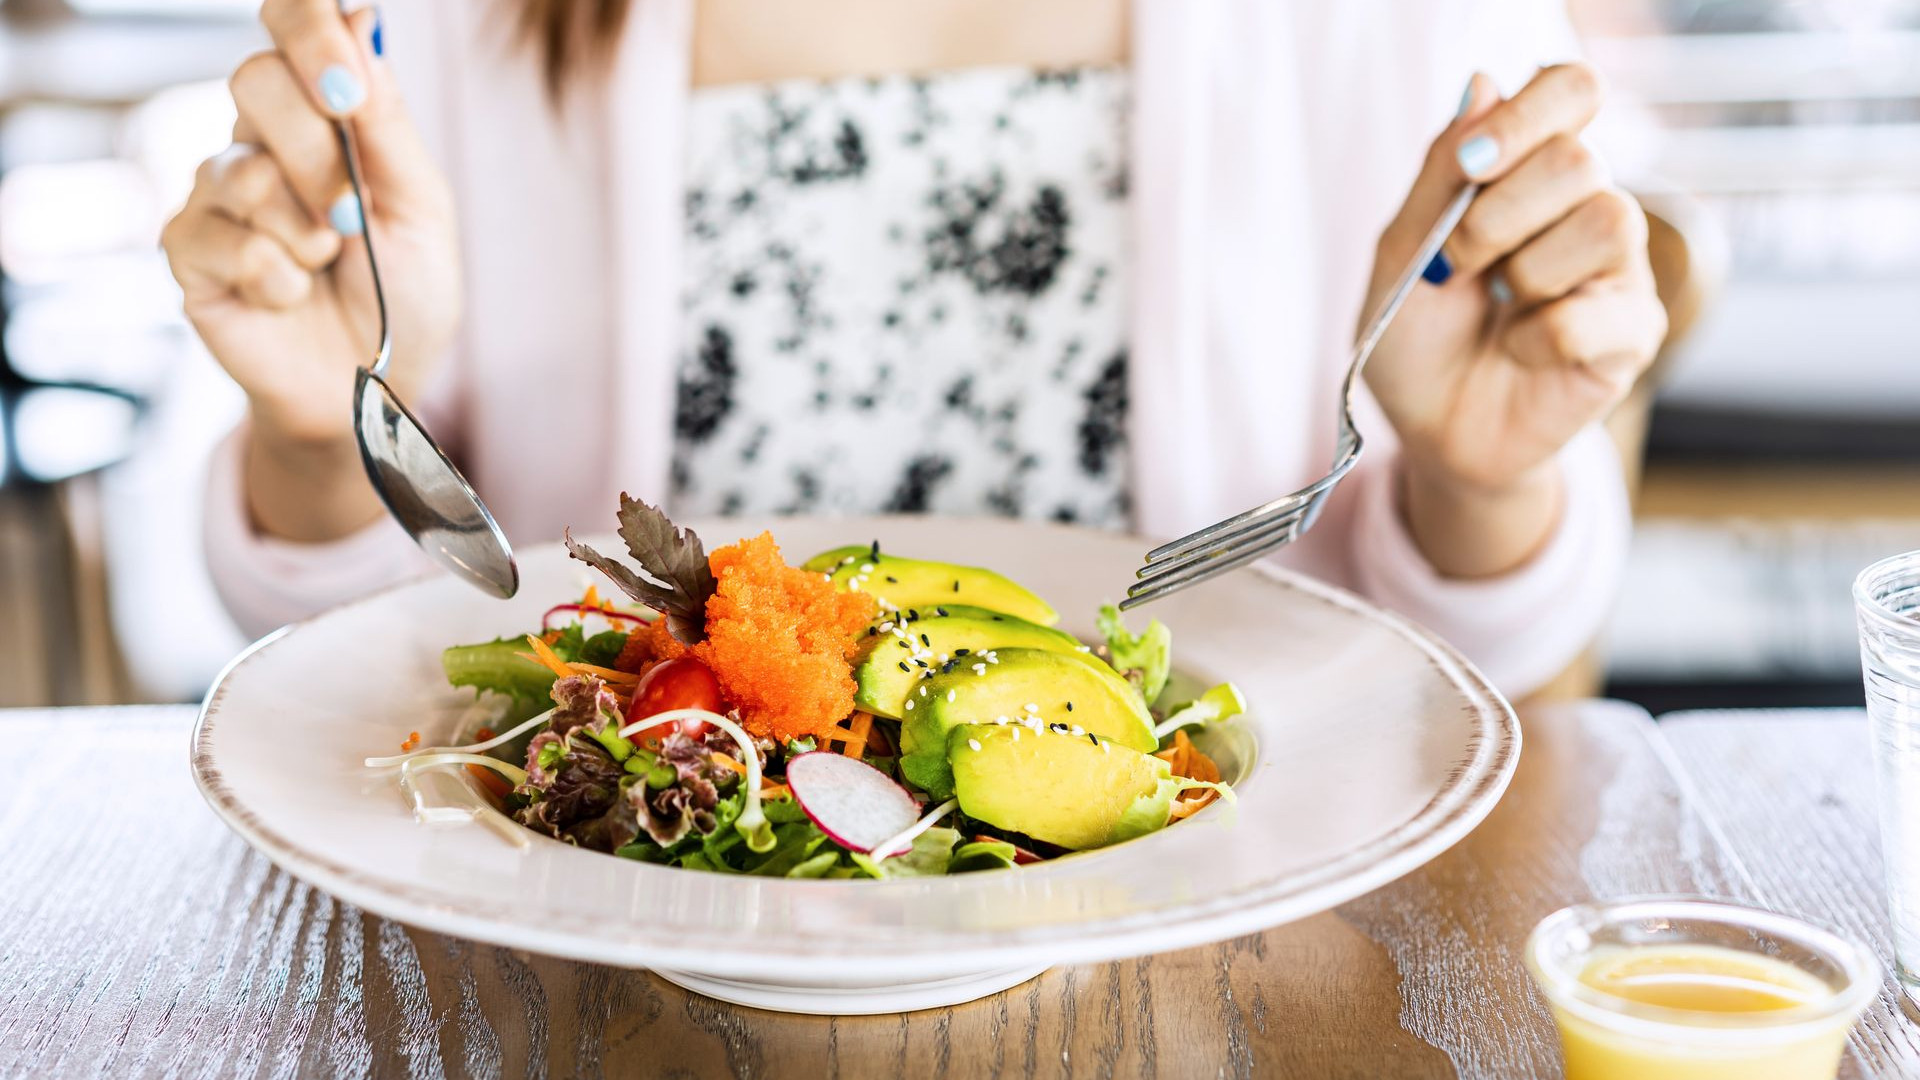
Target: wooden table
{"points": [[139, 938]]}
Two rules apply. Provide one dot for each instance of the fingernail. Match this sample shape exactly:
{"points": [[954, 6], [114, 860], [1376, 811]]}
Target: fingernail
{"points": [[1478, 154], [1439, 270], [1498, 288], [1466, 96], [379, 38], [345, 216], [340, 90]]}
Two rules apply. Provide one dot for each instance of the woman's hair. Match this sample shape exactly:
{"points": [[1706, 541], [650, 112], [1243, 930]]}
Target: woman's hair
{"points": [[571, 36]]}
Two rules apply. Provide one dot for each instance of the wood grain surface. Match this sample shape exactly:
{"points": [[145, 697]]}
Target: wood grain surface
{"points": [[138, 937], [1791, 793]]}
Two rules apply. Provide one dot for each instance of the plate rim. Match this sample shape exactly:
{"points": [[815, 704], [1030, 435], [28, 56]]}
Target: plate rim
{"points": [[1468, 796]]}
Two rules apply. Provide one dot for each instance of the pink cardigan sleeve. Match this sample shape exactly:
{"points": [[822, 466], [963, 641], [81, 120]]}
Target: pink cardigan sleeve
{"points": [[1523, 627], [267, 582]]}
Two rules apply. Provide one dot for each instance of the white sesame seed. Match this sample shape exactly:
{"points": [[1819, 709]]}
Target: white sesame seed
{"points": [[950, 695], [854, 585], [1016, 734], [866, 568], [1076, 730], [827, 578], [944, 658], [1084, 648], [979, 669], [910, 702], [999, 719], [1106, 748], [974, 743], [1031, 707], [887, 627]]}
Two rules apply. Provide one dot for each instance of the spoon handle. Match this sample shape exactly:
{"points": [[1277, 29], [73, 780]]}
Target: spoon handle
{"points": [[352, 153]]}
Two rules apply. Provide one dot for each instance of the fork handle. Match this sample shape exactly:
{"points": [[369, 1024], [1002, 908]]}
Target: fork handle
{"points": [[1390, 305]]}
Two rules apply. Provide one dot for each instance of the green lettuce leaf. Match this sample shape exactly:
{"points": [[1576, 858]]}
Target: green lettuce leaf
{"points": [[792, 845], [1148, 813], [930, 855], [1217, 704], [497, 666], [981, 855], [817, 866], [1146, 657]]}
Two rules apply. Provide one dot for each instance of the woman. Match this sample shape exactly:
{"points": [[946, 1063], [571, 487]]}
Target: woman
{"points": [[1092, 260]]}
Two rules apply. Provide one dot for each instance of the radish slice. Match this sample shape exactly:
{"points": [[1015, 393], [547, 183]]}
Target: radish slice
{"points": [[855, 804]]}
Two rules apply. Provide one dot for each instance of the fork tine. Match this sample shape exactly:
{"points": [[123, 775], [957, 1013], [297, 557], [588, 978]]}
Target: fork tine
{"points": [[1246, 519], [1287, 524], [1161, 584]]}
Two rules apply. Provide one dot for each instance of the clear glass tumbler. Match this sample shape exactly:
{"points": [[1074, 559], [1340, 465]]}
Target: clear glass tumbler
{"points": [[1886, 598]]}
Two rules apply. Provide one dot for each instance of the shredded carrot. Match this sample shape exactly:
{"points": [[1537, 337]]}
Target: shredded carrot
{"points": [[722, 759], [591, 598], [484, 734], [546, 658], [854, 741], [605, 674], [550, 636], [771, 790], [1185, 759], [492, 781]]}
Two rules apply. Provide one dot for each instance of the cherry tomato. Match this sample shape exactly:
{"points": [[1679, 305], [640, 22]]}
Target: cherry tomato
{"points": [[684, 683]]}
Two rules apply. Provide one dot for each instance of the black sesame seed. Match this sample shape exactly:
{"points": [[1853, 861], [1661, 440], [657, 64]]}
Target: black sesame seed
{"points": [[902, 642], [940, 611], [913, 614], [904, 667], [1090, 738], [925, 642], [875, 550], [956, 586], [923, 663], [961, 652], [1069, 706], [891, 580]]}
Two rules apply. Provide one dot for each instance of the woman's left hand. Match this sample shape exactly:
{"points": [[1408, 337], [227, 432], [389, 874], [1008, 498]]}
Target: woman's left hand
{"points": [[1543, 315]]}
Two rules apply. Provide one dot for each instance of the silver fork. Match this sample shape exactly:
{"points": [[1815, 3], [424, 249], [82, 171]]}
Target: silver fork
{"points": [[1244, 537]]}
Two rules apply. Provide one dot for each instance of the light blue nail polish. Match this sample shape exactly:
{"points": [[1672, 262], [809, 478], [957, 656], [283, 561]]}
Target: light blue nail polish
{"points": [[345, 216], [340, 90], [1498, 288], [1466, 100], [1478, 154]]}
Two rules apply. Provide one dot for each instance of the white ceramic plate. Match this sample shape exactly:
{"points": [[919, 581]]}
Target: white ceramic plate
{"points": [[1374, 747]]}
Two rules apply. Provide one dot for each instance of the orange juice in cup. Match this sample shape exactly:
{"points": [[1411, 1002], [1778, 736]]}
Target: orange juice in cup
{"points": [[1686, 989]]}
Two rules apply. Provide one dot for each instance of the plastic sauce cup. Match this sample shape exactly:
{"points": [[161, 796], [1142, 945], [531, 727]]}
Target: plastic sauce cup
{"points": [[1681, 988]]}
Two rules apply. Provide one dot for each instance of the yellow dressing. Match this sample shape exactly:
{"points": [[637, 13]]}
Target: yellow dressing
{"points": [[1709, 988]]}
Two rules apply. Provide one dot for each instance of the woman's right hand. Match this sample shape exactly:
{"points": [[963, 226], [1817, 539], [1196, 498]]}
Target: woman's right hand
{"points": [[268, 248]]}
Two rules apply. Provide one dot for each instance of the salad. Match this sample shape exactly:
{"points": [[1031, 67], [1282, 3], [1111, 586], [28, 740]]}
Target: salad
{"points": [[860, 715]]}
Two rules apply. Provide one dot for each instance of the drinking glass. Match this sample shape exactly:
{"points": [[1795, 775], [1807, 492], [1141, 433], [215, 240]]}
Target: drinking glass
{"points": [[1886, 597]]}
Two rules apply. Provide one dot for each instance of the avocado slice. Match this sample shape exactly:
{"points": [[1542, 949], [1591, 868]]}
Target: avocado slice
{"points": [[1060, 688], [1077, 791], [895, 660], [919, 584]]}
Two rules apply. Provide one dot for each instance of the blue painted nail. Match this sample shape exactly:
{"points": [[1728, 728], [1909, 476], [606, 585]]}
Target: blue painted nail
{"points": [[1466, 96], [340, 90], [1439, 270], [345, 216], [1498, 288], [1478, 154], [379, 36]]}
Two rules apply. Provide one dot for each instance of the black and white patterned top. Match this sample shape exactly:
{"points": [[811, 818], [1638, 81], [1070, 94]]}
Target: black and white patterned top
{"points": [[907, 294]]}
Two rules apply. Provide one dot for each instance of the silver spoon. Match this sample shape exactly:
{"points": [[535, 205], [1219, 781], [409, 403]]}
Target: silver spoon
{"points": [[421, 488]]}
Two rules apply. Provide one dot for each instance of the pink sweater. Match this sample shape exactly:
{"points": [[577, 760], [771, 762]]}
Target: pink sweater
{"points": [[1272, 141]]}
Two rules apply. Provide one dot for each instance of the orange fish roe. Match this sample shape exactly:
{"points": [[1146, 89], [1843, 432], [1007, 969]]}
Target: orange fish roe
{"points": [[781, 641], [647, 645]]}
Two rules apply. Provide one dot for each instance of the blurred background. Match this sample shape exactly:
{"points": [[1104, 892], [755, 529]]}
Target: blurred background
{"points": [[1776, 446]]}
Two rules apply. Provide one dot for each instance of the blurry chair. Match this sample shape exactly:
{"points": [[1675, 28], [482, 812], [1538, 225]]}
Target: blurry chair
{"points": [[1689, 265]]}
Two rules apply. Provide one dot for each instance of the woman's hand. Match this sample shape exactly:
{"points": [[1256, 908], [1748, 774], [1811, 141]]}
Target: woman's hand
{"points": [[269, 256], [1543, 315]]}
